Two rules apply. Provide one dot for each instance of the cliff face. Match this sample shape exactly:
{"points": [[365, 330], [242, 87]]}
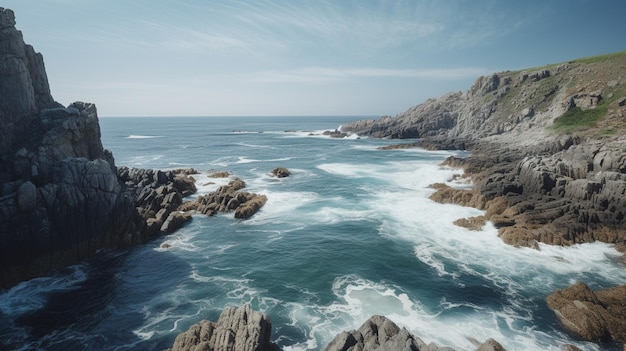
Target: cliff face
{"points": [[60, 198]]}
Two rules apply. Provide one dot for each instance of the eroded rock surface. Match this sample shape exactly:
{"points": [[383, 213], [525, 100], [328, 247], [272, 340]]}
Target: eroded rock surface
{"points": [[237, 329], [595, 316], [227, 198]]}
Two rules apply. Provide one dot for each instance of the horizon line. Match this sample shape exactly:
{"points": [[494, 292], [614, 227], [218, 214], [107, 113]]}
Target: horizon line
{"points": [[239, 116]]}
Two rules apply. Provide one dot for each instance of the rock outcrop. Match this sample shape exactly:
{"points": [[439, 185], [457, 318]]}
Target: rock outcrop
{"points": [[380, 333], [281, 172], [237, 329], [60, 199], [227, 198], [596, 316], [243, 329], [559, 188], [61, 196]]}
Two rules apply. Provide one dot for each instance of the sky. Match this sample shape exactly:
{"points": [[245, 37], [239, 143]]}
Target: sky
{"points": [[299, 57]]}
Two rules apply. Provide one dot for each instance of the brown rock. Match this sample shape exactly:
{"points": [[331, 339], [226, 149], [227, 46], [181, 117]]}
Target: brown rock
{"points": [[599, 316], [251, 206], [175, 221]]}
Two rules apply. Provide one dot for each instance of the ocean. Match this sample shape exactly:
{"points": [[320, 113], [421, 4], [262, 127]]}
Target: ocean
{"points": [[350, 234]]}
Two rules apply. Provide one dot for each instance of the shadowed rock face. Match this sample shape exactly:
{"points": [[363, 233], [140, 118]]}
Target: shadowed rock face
{"points": [[60, 196], [60, 199]]}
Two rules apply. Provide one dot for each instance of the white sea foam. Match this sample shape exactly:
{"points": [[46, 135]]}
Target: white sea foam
{"points": [[406, 214], [256, 146], [144, 136]]}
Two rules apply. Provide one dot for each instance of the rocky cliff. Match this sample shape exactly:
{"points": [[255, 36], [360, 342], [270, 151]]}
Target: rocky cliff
{"points": [[547, 142], [60, 196]]}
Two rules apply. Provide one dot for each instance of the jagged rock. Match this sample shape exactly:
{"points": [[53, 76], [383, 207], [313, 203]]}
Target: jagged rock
{"points": [[381, 334], [225, 199], [251, 206], [61, 199], [281, 172], [237, 329], [175, 221], [594, 316]]}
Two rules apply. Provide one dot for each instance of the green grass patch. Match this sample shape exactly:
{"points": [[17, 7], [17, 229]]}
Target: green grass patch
{"points": [[579, 119], [601, 58]]}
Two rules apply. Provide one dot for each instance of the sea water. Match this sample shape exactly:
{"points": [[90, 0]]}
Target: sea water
{"points": [[350, 234]]}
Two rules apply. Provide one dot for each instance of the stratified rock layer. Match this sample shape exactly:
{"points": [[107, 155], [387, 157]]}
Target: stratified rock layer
{"points": [[237, 329]]}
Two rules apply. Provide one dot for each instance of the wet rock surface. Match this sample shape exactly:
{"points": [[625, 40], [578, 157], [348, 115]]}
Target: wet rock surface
{"points": [[598, 316]]}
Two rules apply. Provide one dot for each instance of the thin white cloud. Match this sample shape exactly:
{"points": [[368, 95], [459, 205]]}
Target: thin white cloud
{"points": [[324, 74]]}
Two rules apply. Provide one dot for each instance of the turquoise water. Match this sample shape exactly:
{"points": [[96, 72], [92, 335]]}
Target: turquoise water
{"points": [[349, 234]]}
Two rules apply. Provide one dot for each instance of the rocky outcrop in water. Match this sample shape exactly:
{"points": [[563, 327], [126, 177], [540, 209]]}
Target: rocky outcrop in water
{"points": [[281, 172], [237, 329], [597, 316], [227, 198]]}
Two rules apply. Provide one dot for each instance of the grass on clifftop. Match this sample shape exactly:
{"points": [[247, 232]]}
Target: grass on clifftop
{"points": [[601, 58]]}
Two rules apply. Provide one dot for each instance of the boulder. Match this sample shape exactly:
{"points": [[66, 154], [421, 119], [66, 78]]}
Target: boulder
{"points": [[237, 329], [251, 206], [175, 221], [595, 316]]}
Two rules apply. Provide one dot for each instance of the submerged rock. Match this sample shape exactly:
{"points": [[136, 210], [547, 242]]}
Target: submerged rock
{"points": [[281, 172]]}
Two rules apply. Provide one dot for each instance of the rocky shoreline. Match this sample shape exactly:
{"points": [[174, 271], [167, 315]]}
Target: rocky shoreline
{"points": [[62, 198], [541, 171]]}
